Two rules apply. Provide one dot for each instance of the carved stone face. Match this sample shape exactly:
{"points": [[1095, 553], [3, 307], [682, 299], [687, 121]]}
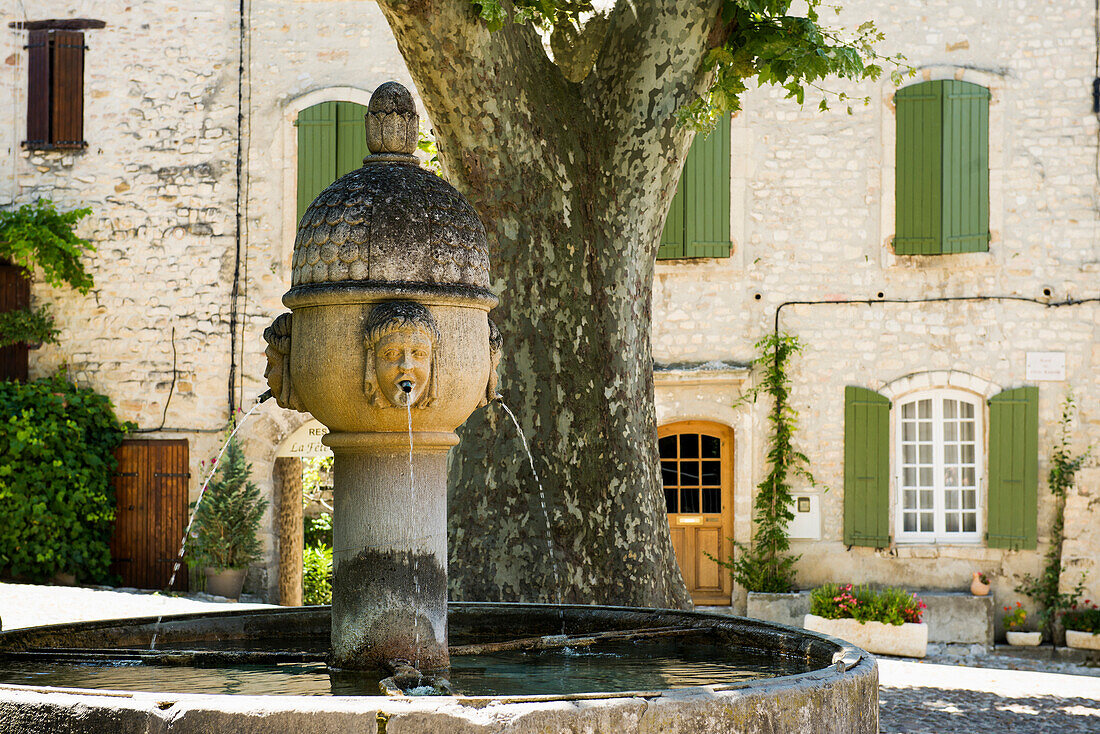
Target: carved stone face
{"points": [[403, 366]]}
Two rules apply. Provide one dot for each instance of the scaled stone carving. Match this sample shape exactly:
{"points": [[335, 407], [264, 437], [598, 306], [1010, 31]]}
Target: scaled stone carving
{"points": [[277, 372], [401, 343], [496, 343]]}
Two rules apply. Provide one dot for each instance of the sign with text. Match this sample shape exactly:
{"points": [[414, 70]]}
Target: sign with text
{"points": [[1049, 366], [305, 443]]}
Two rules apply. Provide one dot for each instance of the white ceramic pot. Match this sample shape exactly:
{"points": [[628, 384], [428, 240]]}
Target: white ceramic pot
{"points": [[1023, 639], [1083, 640], [907, 640]]}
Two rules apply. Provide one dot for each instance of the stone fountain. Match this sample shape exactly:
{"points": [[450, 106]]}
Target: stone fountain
{"points": [[389, 344]]}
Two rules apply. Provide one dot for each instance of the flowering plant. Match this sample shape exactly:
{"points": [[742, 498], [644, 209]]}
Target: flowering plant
{"points": [[1015, 617], [864, 604], [1085, 619], [983, 578]]}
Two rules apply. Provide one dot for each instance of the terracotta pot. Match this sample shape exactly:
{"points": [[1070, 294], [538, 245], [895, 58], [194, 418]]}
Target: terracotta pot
{"points": [[977, 588], [1083, 640], [225, 582], [64, 579], [1023, 639]]}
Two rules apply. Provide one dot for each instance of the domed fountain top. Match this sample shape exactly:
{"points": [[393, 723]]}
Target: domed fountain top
{"points": [[391, 221]]}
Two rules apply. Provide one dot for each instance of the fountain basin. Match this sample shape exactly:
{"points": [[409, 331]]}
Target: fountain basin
{"points": [[836, 692]]}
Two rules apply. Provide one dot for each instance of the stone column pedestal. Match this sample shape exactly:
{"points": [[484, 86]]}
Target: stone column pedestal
{"points": [[389, 600]]}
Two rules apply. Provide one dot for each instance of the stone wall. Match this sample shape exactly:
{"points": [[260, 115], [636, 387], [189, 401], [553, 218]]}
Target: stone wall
{"points": [[812, 217]]}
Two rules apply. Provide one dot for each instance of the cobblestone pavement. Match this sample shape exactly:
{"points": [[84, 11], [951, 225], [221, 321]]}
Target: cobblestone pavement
{"points": [[933, 698], [26, 605]]}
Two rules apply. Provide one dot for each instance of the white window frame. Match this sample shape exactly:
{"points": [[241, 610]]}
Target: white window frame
{"points": [[939, 535]]}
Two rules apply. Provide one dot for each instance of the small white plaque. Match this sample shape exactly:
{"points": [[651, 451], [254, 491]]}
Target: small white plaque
{"points": [[1050, 366], [305, 443]]}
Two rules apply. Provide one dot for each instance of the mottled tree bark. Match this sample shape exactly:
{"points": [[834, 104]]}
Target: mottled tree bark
{"points": [[288, 481], [573, 181]]}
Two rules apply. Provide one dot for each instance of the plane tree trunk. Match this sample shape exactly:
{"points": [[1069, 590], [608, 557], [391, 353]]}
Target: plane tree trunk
{"points": [[573, 182]]}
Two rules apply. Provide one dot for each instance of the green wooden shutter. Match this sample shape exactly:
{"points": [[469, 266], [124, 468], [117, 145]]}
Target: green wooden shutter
{"points": [[316, 152], [698, 223], [1013, 469], [351, 137], [866, 468], [919, 169], [965, 167]]}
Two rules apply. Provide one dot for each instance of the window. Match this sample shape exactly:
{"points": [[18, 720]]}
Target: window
{"points": [[698, 223], [939, 454], [942, 168], [332, 141], [938, 460], [55, 83]]}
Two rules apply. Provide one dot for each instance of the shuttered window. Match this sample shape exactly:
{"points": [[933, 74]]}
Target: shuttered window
{"points": [[942, 168], [55, 89], [1013, 468], [698, 223], [331, 142], [866, 468]]}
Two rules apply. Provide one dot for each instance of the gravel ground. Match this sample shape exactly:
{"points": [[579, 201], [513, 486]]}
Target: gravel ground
{"points": [[29, 605], [960, 690]]}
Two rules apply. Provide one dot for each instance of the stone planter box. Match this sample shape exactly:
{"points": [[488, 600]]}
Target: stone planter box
{"points": [[906, 640], [1083, 640], [1023, 639]]}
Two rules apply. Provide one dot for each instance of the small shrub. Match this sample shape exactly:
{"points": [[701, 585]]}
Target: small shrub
{"points": [[317, 575], [38, 234], [1015, 617], [318, 530], [864, 604], [228, 517], [27, 326], [1085, 619], [57, 445]]}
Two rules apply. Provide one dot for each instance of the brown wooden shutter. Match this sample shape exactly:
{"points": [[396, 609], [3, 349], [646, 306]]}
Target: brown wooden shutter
{"points": [[15, 294], [67, 103], [38, 89]]}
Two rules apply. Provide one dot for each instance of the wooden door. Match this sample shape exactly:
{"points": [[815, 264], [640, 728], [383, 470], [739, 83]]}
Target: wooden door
{"points": [[697, 474], [15, 294], [151, 496]]}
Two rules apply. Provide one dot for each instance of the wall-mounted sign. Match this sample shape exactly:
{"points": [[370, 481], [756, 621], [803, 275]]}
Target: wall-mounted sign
{"points": [[1046, 366], [305, 443]]}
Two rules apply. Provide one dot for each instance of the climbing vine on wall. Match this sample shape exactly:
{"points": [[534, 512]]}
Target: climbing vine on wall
{"points": [[766, 564]]}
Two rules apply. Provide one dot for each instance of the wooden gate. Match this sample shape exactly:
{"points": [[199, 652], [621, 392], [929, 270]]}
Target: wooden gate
{"points": [[697, 473], [151, 495], [15, 293]]}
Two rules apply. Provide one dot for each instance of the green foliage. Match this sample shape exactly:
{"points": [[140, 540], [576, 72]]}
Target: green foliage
{"points": [[318, 530], [27, 326], [425, 143], [765, 566], [317, 575], [56, 442], [1014, 617], [228, 516], [1045, 588], [1085, 619], [762, 41], [890, 605], [38, 234]]}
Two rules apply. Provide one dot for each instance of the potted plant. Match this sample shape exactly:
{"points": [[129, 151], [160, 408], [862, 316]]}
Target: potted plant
{"points": [[979, 585], [1014, 620], [227, 516], [1083, 627], [885, 621]]}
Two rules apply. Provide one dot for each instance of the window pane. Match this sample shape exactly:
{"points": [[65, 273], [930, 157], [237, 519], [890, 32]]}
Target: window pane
{"points": [[950, 409], [968, 453], [970, 522], [689, 500], [909, 454], [926, 454], [668, 473], [969, 499], [926, 499], [967, 410], [966, 430], [952, 523], [667, 447], [908, 410], [909, 499], [950, 477], [950, 432], [689, 445], [951, 500], [951, 454], [689, 473], [968, 476], [909, 522], [926, 522], [712, 472], [908, 432], [712, 500], [670, 500], [909, 477], [926, 476], [924, 408], [925, 431], [712, 447]]}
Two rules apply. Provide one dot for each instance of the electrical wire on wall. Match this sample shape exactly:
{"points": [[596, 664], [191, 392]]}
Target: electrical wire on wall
{"points": [[240, 208]]}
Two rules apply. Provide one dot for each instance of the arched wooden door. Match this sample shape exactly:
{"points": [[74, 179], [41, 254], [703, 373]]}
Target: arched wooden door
{"points": [[697, 474]]}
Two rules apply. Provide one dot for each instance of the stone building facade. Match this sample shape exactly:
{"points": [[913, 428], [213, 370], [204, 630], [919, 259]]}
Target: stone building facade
{"points": [[194, 218]]}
